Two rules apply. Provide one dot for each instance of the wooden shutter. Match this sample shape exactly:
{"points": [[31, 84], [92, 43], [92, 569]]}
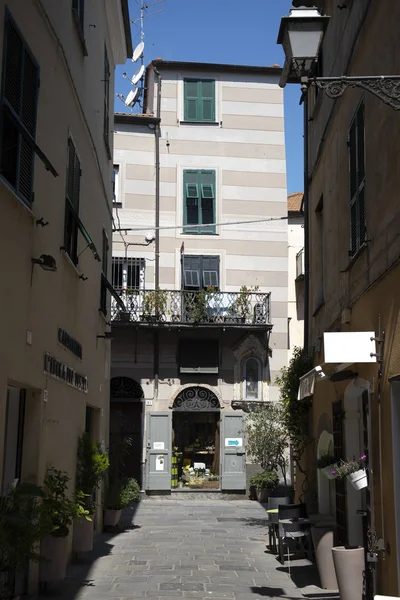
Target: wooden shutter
{"points": [[210, 271], [207, 100], [357, 182], [191, 198], [13, 76], [191, 272], [106, 125], [207, 185], [73, 176], [191, 100]]}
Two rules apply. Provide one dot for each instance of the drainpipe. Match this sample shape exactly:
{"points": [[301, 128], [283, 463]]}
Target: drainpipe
{"points": [[306, 228], [157, 233]]}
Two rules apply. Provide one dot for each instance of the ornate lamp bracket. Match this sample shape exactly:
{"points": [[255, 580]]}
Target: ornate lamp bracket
{"points": [[387, 88]]}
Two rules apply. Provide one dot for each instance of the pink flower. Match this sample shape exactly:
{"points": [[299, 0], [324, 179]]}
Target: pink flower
{"points": [[363, 457]]}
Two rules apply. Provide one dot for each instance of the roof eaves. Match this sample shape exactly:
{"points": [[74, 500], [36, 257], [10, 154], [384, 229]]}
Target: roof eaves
{"points": [[196, 66], [127, 28]]}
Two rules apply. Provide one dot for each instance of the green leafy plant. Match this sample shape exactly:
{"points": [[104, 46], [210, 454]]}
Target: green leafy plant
{"points": [[23, 524], [324, 461], [241, 307], [154, 303], [266, 480], [92, 465], [60, 509], [267, 437], [120, 491], [346, 467]]}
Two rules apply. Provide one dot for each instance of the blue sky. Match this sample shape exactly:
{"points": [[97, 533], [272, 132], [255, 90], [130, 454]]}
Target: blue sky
{"points": [[221, 31]]}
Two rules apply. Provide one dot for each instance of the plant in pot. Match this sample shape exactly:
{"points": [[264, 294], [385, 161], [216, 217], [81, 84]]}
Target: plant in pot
{"points": [[154, 305], [354, 470], [118, 451], [91, 467], [264, 483], [23, 524], [60, 511], [118, 497], [326, 464]]}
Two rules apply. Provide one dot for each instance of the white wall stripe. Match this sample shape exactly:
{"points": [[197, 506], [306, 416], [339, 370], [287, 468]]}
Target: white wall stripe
{"points": [[251, 109]]}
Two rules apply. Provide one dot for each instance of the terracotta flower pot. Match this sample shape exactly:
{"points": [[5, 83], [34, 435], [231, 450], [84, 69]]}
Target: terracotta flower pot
{"points": [[82, 540], [358, 479], [111, 517], [54, 552]]}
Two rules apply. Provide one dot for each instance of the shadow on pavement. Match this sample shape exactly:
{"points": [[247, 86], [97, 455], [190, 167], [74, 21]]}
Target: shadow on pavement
{"points": [[78, 569]]}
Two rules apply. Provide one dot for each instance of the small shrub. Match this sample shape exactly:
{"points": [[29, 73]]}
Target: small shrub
{"points": [[266, 480]]}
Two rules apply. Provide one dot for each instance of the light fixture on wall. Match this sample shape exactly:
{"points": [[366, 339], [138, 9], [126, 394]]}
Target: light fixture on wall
{"points": [[46, 262]]}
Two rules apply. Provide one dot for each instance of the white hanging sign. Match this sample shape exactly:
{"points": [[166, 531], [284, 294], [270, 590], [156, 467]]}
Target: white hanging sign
{"points": [[160, 462]]}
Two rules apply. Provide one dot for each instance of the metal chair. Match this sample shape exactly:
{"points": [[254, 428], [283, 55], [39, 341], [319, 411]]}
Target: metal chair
{"points": [[298, 530], [273, 504]]}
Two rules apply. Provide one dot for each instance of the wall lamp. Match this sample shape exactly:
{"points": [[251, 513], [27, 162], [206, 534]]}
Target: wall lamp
{"points": [[46, 262], [301, 35]]}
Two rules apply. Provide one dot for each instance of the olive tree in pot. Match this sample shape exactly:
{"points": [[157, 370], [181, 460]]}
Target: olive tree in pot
{"points": [[267, 444], [91, 468], [60, 511], [23, 524]]}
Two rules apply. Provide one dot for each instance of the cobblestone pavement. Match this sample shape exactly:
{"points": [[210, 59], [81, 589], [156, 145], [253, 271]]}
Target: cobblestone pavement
{"points": [[183, 549]]}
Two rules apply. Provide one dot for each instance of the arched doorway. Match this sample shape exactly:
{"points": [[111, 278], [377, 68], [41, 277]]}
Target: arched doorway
{"points": [[126, 421], [196, 438]]}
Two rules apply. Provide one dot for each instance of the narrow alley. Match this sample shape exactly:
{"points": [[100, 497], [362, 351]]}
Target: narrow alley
{"points": [[183, 548]]}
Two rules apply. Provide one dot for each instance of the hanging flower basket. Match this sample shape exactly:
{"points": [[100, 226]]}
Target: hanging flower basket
{"points": [[329, 471], [358, 479]]}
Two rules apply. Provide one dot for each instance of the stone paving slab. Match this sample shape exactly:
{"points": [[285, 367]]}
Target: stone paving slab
{"points": [[185, 548]]}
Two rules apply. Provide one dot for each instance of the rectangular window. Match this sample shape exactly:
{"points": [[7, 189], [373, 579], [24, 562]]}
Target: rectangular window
{"points": [[115, 188], [18, 112], [199, 202], [357, 182], [71, 224], [106, 124], [198, 356], [200, 272], [199, 100], [127, 273]]}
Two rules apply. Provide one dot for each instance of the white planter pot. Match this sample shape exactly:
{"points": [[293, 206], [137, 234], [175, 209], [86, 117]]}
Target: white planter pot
{"points": [[327, 471], [111, 517], [54, 551], [349, 567], [82, 540], [358, 479]]}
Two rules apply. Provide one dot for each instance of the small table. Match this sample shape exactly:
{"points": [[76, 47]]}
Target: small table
{"points": [[303, 530]]}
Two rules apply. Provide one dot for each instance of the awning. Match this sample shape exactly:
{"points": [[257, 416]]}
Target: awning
{"points": [[90, 242], [114, 293]]}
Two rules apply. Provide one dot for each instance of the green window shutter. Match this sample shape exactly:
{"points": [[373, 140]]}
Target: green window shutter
{"points": [[357, 182], [191, 200], [191, 272], [191, 100], [207, 101], [207, 186], [210, 271]]}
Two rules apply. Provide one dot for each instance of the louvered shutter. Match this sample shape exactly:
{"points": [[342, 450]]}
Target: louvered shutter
{"points": [[13, 75], [357, 182], [353, 159], [191, 100], [207, 179], [191, 198], [210, 271], [191, 272], [73, 176], [207, 100]]}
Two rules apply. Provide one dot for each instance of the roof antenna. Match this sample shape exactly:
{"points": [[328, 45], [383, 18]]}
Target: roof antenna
{"points": [[137, 93]]}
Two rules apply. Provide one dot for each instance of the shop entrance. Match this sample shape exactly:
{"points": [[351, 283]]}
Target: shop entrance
{"points": [[196, 440]]}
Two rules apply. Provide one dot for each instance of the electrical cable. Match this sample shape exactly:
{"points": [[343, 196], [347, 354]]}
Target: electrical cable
{"points": [[164, 227]]}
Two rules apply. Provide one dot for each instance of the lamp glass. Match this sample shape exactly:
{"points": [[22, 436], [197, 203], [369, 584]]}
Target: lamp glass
{"points": [[303, 39]]}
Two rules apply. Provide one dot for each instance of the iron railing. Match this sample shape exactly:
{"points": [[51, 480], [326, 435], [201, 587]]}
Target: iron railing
{"points": [[202, 307]]}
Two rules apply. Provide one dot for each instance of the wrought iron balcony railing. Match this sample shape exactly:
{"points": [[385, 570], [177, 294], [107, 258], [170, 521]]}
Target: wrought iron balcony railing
{"points": [[203, 307]]}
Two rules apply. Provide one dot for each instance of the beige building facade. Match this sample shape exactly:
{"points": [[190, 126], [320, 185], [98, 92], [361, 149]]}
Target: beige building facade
{"points": [[209, 150], [295, 272], [58, 62], [354, 269]]}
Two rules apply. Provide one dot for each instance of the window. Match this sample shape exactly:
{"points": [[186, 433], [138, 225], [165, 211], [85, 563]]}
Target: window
{"points": [[199, 100], [78, 9], [71, 224], [127, 273], [18, 112], [320, 255], [106, 124], [199, 202], [104, 272], [252, 379], [357, 182], [200, 272], [198, 356], [115, 188]]}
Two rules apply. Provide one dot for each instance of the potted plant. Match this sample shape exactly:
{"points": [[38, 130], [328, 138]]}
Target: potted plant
{"points": [[118, 497], [60, 511], [23, 524], [326, 464], [264, 483], [354, 470], [154, 305], [92, 465], [118, 451]]}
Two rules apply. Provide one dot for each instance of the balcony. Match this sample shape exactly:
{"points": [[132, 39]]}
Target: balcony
{"points": [[207, 308], [300, 265]]}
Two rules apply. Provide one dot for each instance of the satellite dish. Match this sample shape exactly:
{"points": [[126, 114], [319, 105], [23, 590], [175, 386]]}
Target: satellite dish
{"points": [[138, 76], [137, 53], [132, 97]]}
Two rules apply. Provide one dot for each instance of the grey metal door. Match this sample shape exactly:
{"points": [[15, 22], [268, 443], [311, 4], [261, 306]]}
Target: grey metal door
{"points": [[159, 441], [233, 456]]}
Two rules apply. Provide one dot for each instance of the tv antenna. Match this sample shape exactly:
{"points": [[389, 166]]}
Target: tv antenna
{"points": [[136, 94]]}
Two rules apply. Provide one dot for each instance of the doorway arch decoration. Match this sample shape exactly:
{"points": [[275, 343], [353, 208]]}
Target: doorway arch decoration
{"points": [[125, 388], [196, 399]]}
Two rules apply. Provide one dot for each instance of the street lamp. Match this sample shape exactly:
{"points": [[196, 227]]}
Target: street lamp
{"points": [[301, 35]]}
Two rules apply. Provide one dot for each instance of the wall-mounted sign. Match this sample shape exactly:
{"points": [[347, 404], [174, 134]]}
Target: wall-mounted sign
{"points": [[158, 446], [69, 343], [233, 442], [62, 372], [160, 463], [149, 402]]}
